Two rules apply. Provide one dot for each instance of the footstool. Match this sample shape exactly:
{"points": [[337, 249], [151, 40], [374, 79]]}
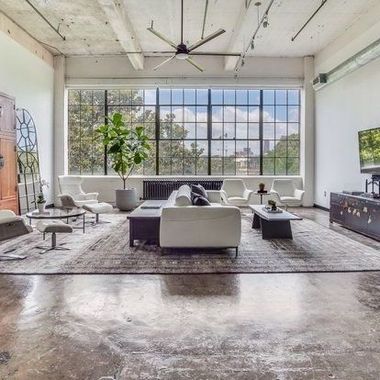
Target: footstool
{"points": [[97, 209], [53, 227]]}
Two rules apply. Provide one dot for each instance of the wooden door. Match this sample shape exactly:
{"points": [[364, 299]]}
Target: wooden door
{"points": [[8, 155]]}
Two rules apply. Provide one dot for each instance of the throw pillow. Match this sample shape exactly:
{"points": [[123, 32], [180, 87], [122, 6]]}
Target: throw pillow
{"points": [[199, 200], [200, 190]]}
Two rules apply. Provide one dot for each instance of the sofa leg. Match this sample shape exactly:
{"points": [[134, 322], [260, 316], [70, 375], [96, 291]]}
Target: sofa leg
{"points": [[236, 252]]}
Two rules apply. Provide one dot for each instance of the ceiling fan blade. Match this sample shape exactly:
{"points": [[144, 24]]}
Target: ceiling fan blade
{"points": [[206, 39], [163, 63], [216, 54], [162, 37], [194, 64]]}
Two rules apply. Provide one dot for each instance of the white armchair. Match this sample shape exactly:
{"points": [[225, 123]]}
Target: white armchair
{"points": [[287, 193], [235, 193], [71, 187]]}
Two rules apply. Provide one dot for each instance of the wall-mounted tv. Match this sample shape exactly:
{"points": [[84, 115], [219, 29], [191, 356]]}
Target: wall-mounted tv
{"points": [[369, 150]]}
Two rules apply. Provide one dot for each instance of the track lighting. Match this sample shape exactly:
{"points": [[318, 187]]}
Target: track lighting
{"points": [[252, 44], [265, 21]]}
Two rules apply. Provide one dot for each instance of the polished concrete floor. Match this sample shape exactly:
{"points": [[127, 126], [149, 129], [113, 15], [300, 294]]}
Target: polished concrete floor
{"points": [[248, 326]]}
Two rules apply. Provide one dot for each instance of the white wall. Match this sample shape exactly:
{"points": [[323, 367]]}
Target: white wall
{"points": [[343, 108], [29, 79]]}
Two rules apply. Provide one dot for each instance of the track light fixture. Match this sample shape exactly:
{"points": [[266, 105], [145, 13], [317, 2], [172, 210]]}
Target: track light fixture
{"points": [[265, 21], [252, 44]]}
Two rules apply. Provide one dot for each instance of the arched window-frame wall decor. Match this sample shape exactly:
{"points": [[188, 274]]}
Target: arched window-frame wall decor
{"points": [[29, 176]]}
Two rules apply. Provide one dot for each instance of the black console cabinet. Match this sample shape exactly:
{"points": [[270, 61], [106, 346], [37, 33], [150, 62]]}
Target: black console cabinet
{"points": [[357, 213]]}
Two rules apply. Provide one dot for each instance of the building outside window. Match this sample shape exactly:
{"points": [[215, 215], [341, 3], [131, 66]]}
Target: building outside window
{"points": [[192, 131]]}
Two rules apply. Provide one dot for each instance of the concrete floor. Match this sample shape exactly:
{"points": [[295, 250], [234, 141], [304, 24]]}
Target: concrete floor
{"points": [[251, 326]]}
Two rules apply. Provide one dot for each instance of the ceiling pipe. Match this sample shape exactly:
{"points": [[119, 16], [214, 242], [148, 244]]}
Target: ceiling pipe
{"points": [[252, 40], [363, 57], [310, 18], [46, 20]]}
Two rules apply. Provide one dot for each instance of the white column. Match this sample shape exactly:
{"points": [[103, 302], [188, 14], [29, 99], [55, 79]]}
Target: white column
{"points": [[60, 122], [308, 132]]}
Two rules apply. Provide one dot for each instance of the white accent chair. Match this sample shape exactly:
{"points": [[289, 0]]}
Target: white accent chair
{"points": [[235, 193], [71, 186], [287, 193]]}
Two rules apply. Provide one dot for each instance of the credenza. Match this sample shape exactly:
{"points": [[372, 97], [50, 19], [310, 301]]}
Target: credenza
{"points": [[358, 213]]}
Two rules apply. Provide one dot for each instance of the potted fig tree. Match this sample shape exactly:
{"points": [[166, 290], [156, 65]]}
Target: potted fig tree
{"points": [[127, 148]]}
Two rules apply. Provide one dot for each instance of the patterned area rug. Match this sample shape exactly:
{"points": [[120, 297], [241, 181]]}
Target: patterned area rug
{"points": [[105, 249]]}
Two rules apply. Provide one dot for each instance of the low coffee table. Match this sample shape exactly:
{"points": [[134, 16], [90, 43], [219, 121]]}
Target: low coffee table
{"points": [[144, 222], [57, 213], [273, 225]]}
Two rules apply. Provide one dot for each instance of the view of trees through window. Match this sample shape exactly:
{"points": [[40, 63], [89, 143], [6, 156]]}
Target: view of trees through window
{"points": [[192, 131]]}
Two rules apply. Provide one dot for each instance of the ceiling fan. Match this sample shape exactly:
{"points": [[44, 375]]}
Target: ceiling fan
{"points": [[184, 52]]}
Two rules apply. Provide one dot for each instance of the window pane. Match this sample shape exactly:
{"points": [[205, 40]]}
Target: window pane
{"points": [[268, 114], [229, 166], [217, 96], [293, 166], [229, 131], [268, 97], [217, 130], [202, 114], [229, 148], [280, 131], [280, 166], [254, 114], [253, 130], [268, 166], [216, 166], [189, 113], [217, 114], [254, 148], [150, 96], [178, 131], [293, 114], [202, 165], [254, 97], [281, 97], [281, 113], [241, 166], [293, 131], [229, 96], [241, 114], [268, 131], [216, 149], [177, 96], [229, 113], [242, 148], [253, 166], [293, 97], [164, 96], [178, 113], [189, 132], [202, 96], [189, 96], [201, 131], [202, 148], [241, 97], [241, 130], [293, 148]]}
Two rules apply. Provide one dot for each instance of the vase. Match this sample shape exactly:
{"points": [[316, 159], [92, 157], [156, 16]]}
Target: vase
{"points": [[261, 188], [41, 207], [126, 199]]}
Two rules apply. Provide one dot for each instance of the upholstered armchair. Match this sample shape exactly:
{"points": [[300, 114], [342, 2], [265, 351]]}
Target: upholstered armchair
{"points": [[235, 193], [71, 191], [286, 192]]}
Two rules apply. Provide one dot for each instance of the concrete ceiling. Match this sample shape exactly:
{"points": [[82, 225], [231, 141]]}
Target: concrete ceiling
{"points": [[113, 27]]}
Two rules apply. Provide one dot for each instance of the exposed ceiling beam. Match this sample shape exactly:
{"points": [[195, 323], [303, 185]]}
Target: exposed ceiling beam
{"points": [[123, 28], [230, 62]]}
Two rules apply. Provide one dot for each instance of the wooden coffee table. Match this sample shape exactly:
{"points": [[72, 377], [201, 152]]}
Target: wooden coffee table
{"points": [[144, 222], [273, 225]]}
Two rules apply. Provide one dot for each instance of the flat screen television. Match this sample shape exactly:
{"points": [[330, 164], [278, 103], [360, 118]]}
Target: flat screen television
{"points": [[369, 150]]}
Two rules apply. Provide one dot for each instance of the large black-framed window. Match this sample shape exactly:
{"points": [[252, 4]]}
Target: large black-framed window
{"points": [[192, 131]]}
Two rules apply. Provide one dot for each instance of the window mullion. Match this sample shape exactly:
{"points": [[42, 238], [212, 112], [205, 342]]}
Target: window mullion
{"points": [[157, 131]]}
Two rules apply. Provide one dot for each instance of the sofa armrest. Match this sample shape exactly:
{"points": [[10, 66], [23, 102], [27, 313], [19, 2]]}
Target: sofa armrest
{"points": [[88, 196], [247, 194], [214, 196], [299, 194], [224, 196]]}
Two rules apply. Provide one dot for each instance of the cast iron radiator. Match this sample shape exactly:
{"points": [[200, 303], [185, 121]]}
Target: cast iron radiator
{"points": [[162, 188]]}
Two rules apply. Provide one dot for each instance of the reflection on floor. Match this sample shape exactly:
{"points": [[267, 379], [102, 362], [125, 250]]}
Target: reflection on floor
{"points": [[275, 326], [297, 326]]}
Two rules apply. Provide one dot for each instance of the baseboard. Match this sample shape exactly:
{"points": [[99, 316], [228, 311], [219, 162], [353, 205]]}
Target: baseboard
{"points": [[321, 207]]}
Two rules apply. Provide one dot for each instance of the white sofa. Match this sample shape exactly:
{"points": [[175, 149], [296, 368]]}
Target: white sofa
{"points": [[183, 225]]}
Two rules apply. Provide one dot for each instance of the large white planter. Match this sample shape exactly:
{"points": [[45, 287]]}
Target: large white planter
{"points": [[126, 199]]}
